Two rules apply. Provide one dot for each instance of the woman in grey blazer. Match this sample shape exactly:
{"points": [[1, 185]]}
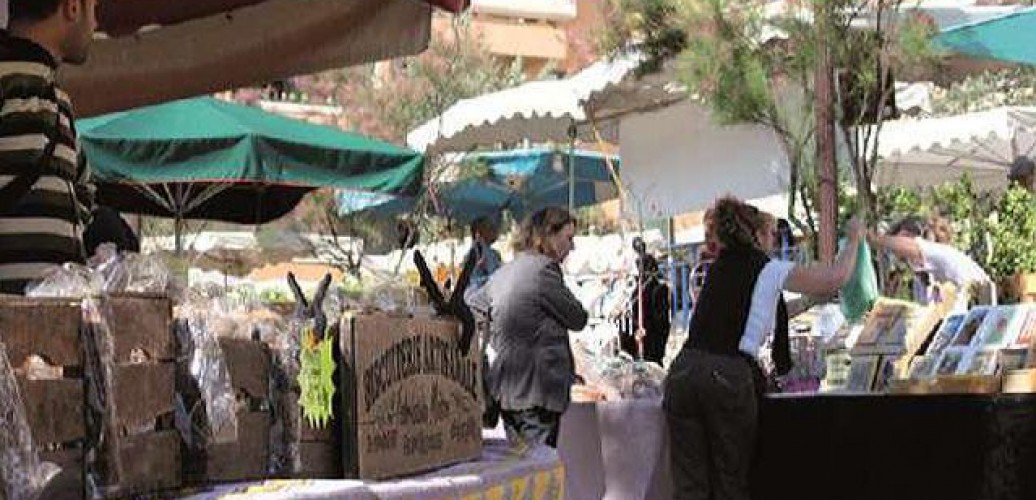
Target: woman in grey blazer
{"points": [[531, 311]]}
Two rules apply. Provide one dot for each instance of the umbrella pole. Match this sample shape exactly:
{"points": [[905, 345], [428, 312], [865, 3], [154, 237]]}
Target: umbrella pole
{"points": [[571, 167]]}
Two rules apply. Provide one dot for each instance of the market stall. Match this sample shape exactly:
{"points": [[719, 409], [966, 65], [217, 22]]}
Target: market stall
{"points": [[347, 394], [910, 401]]}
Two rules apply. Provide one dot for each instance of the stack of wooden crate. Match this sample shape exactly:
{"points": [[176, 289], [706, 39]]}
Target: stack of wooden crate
{"points": [[144, 383], [49, 329], [247, 458]]}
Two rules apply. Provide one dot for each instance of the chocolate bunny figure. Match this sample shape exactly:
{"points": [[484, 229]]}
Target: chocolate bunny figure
{"points": [[314, 310], [455, 306]]}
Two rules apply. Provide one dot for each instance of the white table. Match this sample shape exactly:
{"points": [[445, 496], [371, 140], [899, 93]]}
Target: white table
{"points": [[617, 450]]}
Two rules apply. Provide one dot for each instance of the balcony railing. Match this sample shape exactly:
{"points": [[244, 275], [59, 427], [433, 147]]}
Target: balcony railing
{"points": [[547, 10]]}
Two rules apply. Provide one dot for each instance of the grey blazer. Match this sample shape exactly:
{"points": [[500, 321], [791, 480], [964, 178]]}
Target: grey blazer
{"points": [[531, 312]]}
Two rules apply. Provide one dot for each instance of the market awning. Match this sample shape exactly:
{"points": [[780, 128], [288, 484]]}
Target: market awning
{"points": [[210, 159], [538, 111], [1005, 38], [152, 52], [928, 152]]}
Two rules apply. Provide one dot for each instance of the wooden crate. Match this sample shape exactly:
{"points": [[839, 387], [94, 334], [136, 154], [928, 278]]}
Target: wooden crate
{"points": [[1020, 381], [144, 384], [50, 329], [142, 323], [320, 451], [243, 460], [948, 384], [143, 391], [412, 402], [249, 364]]}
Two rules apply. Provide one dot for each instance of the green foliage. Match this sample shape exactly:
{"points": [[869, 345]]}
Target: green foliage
{"points": [[1013, 234], [750, 64], [389, 99], [654, 26], [988, 90], [967, 209]]}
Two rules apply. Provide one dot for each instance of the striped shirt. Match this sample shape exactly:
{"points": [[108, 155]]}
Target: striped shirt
{"points": [[43, 227]]}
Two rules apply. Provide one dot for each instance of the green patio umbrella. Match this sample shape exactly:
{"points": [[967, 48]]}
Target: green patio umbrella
{"points": [[203, 158], [1005, 38]]}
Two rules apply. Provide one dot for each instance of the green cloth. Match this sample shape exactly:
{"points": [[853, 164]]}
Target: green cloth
{"points": [[861, 291], [212, 141]]}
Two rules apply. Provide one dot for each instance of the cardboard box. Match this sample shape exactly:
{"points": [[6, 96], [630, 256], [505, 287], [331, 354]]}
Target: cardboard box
{"points": [[412, 402]]}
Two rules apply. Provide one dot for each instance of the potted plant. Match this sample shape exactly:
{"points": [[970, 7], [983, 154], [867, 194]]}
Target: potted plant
{"points": [[1012, 235]]}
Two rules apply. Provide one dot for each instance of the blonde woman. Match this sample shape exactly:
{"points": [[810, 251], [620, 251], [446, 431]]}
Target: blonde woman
{"points": [[531, 370]]}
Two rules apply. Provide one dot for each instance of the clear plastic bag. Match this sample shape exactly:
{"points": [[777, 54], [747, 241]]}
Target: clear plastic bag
{"points": [[213, 414], [286, 431], [22, 474]]}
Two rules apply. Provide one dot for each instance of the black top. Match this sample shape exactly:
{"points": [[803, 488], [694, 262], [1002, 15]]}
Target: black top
{"points": [[722, 310]]}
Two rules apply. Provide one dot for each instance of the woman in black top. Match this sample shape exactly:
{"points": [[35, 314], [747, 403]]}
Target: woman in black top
{"points": [[712, 389]]}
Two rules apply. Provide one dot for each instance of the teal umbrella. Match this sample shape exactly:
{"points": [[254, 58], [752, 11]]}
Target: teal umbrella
{"points": [[1005, 38], [204, 158], [520, 181]]}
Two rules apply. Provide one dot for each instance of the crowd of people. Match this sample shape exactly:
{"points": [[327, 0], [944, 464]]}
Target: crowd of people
{"points": [[712, 391]]}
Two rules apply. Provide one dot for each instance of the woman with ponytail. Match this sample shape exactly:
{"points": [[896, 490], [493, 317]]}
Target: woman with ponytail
{"points": [[714, 384]]}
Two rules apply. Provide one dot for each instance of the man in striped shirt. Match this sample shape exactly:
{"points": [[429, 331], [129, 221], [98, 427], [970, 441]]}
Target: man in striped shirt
{"points": [[45, 188]]}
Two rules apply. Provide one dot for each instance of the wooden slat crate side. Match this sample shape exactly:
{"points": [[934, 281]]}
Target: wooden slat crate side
{"points": [[245, 459], [68, 484], [320, 460], [249, 364], [143, 392], [151, 464], [141, 322], [48, 328], [54, 409]]}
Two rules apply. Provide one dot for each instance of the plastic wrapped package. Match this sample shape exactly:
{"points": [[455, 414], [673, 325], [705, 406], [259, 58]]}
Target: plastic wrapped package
{"points": [[145, 274], [622, 377], [67, 281], [214, 418], [285, 429], [98, 356], [77, 281], [22, 474]]}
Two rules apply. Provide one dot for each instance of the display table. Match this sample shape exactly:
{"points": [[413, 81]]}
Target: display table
{"points": [[824, 447], [942, 447], [500, 474], [615, 450]]}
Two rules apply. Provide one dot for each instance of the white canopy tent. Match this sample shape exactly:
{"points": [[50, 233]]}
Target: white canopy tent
{"points": [[677, 159], [538, 111], [920, 153]]}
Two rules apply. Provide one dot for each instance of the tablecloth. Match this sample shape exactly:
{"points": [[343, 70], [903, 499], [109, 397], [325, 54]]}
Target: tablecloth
{"points": [[500, 474]]}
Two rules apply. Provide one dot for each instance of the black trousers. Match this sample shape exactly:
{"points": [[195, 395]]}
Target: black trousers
{"points": [[712, 409], [535, 425]]}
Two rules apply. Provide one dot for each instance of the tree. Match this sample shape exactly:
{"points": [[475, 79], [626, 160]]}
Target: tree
{"points": [[389, 99], [751, 64]]}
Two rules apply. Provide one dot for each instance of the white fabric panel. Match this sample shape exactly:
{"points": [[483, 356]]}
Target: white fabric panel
{"points": [[679, 160], [927, 152]]}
